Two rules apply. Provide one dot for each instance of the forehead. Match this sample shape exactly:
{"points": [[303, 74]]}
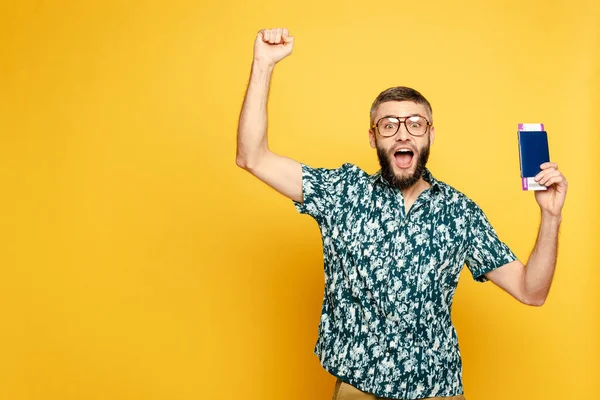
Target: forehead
{"points": [[400, 109]]}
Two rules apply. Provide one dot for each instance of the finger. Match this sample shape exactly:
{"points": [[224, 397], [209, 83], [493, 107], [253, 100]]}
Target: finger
{"points": [[287, 38], [549, 178], [547, 175], [278, 36], [265, 35], [543, 174], [272, 35], [556, 180], [547, 165]]}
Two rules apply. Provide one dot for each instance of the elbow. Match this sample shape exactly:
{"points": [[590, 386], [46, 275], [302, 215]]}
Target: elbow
{"points": [[246, 164], [537, 303], [241, 162], [249, 160], [534, 302]]}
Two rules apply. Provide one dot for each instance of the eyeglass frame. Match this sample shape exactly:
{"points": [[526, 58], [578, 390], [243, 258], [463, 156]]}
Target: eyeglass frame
{"points": [[402, 120]]}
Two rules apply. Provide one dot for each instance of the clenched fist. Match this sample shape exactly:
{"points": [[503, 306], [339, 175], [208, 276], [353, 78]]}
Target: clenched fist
{"points": [[273, 45]]}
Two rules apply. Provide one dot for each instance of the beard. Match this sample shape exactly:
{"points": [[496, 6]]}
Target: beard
{"points": [[402, 182]]}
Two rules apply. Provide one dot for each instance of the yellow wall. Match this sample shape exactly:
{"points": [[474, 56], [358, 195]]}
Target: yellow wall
{"points": [[138, 262]]}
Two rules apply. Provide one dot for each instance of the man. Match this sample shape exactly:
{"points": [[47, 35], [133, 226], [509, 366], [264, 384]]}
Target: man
{"points": [[394, 244]]}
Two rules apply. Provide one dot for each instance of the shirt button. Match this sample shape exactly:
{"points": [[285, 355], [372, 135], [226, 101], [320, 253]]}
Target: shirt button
{"points": [[387, 354]]}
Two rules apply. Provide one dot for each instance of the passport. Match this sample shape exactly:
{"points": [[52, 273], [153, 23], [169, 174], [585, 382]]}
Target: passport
{"points": [[533, 151]]}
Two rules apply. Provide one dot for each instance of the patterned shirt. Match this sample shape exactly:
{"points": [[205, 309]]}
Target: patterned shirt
{"points": [[390, 277]]}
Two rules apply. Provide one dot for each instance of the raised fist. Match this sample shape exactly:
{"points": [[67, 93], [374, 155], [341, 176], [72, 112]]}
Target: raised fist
{"points": [[273, 45]]}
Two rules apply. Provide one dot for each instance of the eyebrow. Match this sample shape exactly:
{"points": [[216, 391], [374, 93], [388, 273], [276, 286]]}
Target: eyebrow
{"points": [[407, 116]]}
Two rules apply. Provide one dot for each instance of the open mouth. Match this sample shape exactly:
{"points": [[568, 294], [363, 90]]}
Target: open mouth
{"points": [[404, 157]]}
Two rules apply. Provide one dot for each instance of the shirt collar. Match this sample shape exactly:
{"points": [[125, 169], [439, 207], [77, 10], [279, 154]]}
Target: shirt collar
{"points": [[427, 176]]}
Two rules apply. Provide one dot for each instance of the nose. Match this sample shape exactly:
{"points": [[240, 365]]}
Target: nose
{"points": [[402, 134]]}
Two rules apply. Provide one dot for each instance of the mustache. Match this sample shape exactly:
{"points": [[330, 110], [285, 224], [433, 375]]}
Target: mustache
{"points": [[411, 147]]}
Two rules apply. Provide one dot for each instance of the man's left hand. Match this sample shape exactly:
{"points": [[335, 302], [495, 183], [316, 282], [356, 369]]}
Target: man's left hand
{"points": [[552, 200]]}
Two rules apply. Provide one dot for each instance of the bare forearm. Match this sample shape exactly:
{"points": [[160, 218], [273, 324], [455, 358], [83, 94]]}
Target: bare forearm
{"points": [[252, 128], [542, 261]]}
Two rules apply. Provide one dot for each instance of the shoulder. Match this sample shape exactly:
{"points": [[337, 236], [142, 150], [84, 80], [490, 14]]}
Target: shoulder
{"points": [[457, 199], [344, 172], [334, 182], [352, 169]]}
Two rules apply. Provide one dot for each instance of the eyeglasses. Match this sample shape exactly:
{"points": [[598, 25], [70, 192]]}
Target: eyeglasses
{"points": [[388, 126]]}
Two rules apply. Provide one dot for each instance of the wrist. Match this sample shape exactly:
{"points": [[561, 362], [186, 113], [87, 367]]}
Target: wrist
{"points": [[261, 73], [263, 64], [551, 217]]}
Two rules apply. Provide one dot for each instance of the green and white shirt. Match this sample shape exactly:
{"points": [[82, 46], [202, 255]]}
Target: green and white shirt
{"points": [[390, 278]]}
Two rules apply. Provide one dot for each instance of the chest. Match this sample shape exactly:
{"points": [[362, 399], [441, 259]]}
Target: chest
{"points": [[379, 240]]}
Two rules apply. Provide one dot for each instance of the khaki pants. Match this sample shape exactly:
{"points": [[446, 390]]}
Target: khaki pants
{"points": [[344, 391]]}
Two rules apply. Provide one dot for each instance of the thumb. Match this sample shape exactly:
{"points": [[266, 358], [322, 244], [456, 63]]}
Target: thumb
{"points": [[287, 38]]}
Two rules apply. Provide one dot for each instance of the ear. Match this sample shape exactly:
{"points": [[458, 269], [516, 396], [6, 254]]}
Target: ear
{"points": [[431, 134], [372, 140]]}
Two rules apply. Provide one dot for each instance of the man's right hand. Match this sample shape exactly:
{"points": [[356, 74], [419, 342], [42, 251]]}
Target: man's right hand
{"points": [[273, 45]]}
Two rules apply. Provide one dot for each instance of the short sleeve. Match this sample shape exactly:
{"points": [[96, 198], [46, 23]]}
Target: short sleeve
{"points": [[322, 190], [485, 251]]}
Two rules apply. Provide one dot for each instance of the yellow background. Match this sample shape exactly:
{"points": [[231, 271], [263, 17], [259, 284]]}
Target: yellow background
{"points": [[138, 262]]}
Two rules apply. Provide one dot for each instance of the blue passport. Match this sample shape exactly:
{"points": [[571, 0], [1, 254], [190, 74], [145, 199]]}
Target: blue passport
{"points": [[533, 151]]}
